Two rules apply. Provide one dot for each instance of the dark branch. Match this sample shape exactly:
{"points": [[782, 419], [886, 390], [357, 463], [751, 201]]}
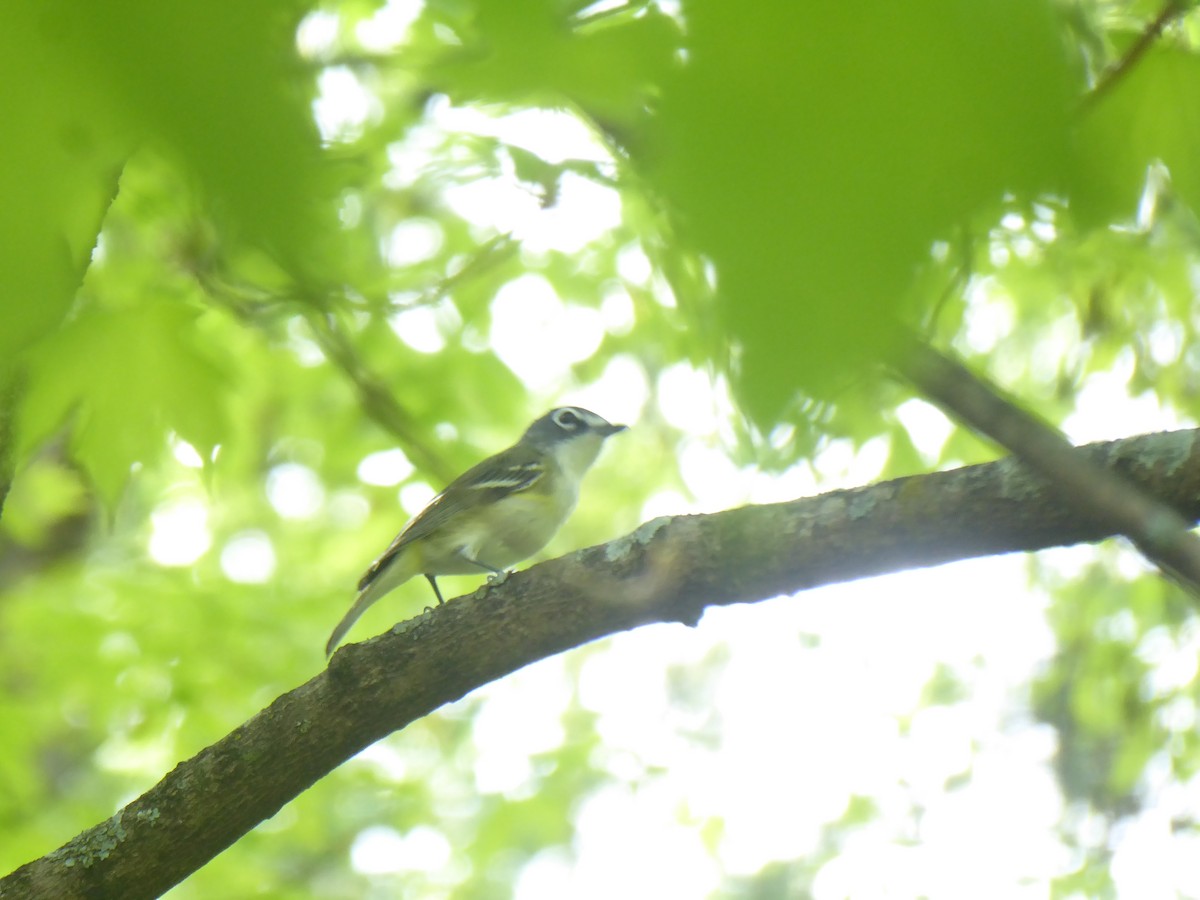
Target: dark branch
{"points": [[669, 570], [1160, 532], [1111, 76]]}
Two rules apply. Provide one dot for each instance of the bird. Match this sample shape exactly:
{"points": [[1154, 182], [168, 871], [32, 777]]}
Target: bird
{"points": [[497, 513]]}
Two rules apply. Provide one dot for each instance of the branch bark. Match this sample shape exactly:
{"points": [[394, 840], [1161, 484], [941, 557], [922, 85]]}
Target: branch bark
{"points": [[669, 570]]}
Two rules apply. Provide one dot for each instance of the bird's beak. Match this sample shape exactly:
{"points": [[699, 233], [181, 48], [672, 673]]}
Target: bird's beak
{"points": [[609, 430]]}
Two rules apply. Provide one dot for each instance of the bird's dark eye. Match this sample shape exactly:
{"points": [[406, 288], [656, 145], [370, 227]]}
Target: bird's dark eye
{"points": [[567, 420]]}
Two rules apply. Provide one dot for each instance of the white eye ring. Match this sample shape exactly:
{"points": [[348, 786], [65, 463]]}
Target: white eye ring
{"points": [[568, 420]]}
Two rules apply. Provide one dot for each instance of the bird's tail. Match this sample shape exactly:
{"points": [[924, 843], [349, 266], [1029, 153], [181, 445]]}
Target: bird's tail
{"points": [[364, 599], [379, 580]]}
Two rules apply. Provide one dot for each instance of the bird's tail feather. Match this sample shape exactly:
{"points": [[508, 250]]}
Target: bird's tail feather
{"points": [[398, 569], [361, 603]]}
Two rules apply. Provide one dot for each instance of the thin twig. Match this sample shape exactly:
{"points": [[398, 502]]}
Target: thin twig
{"points": [[1111, 76], [377, 401], [957, 281], [496, 250], [1160, 532]]}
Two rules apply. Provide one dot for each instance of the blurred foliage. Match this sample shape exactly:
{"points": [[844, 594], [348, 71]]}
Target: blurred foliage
{"points": [[879, 134], [248, 247]]}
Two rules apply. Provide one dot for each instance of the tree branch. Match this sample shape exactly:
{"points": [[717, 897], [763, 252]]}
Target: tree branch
{"points": [[377, 400], [246, 303], [669, 570], [1111, 76], [1160, 532]]}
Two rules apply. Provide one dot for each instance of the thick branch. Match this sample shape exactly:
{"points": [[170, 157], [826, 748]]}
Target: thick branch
{"points": [[668, 570]]}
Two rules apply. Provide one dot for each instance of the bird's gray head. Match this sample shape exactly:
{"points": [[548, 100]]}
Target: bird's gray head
{"points": [[566, 425], [572, 436]]}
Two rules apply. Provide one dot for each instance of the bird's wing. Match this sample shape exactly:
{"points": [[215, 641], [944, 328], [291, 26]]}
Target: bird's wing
{"points": [[516, 469]]}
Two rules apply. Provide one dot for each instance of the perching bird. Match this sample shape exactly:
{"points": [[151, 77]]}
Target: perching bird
{"points": [[495, 514]]}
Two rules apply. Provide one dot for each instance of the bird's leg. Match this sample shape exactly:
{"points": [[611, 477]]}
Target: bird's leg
{"points": [[433, 584], [481, 564], [497, 574]]}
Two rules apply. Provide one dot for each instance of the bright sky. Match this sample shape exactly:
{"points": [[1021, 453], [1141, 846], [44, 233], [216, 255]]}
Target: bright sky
{"points": [[817, 699]]}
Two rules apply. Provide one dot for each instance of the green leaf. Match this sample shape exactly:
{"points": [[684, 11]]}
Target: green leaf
{"points": [[527, 51], [216, 83], [58, 165], [1149, 115], [815, 151], [123, 379]]}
